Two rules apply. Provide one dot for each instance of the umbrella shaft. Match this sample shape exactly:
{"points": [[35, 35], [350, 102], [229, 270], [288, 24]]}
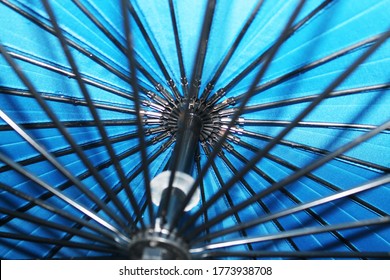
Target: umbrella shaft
{"points": [[190, 128]]}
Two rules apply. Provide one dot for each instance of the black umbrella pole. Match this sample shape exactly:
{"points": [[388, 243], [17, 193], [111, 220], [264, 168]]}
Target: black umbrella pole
{"points": [[190, 139], [169, 193], [182, 164]]}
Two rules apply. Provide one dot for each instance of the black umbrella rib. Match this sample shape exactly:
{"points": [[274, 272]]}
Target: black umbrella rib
{"points": [[57, 122], [259, 155], [183, 75], [133, 82], [296, 255], [302, 207], [258, 122], [315, 178], [67, 73], [83, 176], [69, 42], [381, 221], [52, 241], [61, 196], [153, 157], [38, 202], [193, 91], [122, 48], [51, 158], [315, 150], [107, 199], [312, 65], [44, 125], [232, 50], [101, 26], [94, 113], [202, 188], [309, 98], [152, 48], [293, 177], [251, 191], [67, 151], [202, 50], [55, 226], [228, 197], [66, 99], [221, 92], [191, 220], [217, 147], [117, 189]]}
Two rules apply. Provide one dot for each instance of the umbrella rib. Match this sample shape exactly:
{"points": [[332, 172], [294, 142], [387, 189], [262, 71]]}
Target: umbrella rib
{"points": [[69, 74], [296, 255], [202, 188], [252, 192], [38, 202], [133, 82], [221, 92], [66, 99], [229, 199], [196, 231], [258, 122], [353, 121], [152, 48], [72, 124], [293, 177], [52, 241], [55, 119], [315, 150], [302, 206], [55, 250], [122, 48], [96, 117], [162, 148], [259, 155], [312, 65], [107, 199], [183, 75], [50, 158], [193, 91], [202, 49], [286, 102], [86, 174], [62, 196], [69, 42], [314, 178], [98, 24], [295, 233], [258, 77], [191, 220], [55, 226], [67, 151], [232, 50]]}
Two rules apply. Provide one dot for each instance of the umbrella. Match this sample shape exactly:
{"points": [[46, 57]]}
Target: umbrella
{"points": [[194, 129]]}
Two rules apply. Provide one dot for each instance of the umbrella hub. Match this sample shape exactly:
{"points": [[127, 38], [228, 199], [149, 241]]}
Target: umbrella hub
{"points": [[158, 244], [211, 121]]}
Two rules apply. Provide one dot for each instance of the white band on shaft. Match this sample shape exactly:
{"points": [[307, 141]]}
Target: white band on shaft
{"points": [[182, 181]]}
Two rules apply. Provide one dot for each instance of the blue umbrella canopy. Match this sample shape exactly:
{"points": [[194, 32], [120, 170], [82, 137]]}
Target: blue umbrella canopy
{"points": [[194, 129]]}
